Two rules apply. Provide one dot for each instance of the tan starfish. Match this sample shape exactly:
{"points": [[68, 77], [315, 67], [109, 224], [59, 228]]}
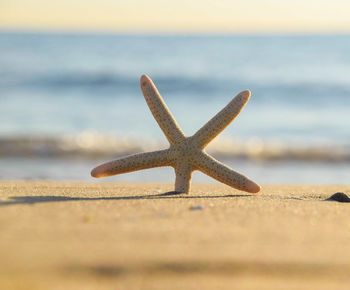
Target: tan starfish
{"points": [[185, 154]]}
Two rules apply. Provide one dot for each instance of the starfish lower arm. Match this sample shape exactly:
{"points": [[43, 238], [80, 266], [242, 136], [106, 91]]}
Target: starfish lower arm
{"points": [[183, 172], [132, 163], [221, 120], [224, 174]]}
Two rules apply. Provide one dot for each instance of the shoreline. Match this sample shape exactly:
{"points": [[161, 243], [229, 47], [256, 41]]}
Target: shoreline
{"points": [[64, 235]]}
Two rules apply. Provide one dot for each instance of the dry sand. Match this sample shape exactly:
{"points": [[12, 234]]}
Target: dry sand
{"points": [[130, 236]]}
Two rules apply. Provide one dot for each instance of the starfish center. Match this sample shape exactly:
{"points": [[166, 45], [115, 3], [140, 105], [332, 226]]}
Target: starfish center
{"points": [[185, 150]]}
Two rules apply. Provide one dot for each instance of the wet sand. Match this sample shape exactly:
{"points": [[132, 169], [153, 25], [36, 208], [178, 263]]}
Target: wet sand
{"points": [[133, 236]]}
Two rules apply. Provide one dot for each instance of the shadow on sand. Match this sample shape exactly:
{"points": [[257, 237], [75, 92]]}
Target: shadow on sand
{"points": [[54, 198], [222, 268]]}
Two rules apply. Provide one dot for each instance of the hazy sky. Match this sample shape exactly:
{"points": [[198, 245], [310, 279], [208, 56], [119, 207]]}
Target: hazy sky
{"points": [[178, 16]]}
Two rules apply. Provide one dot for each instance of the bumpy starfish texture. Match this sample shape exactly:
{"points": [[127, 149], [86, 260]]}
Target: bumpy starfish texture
{"points": [[185, 154]]}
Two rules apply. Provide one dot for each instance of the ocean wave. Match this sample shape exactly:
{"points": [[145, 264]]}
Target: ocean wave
{"points": [[66, 80], [207, 85], [92, 145], [104, 80]]}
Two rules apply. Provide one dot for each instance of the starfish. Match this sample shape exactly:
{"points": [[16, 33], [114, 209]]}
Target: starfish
{"points": [[185, 154]]}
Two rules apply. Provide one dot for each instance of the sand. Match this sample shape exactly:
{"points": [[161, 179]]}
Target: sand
{"points": [[130, 236]]}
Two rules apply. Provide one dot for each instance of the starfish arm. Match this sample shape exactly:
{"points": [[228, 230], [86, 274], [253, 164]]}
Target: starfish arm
{"points": [[132, 163], [160, 111], [183, 172], [224, 174], [221, 120]]}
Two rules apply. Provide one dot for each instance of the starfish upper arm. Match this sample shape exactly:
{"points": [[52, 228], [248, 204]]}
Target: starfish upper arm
{"points": [[160, 111], [224, 174], [221, 120], [132, 163]]}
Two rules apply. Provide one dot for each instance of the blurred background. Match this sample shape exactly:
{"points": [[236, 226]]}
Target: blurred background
{"points": [[70, 96]]}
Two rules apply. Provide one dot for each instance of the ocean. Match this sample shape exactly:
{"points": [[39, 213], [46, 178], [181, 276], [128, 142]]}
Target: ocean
{"points": [[69, 102]]}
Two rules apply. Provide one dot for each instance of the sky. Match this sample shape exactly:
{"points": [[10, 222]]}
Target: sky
{"points": [[301, 16]]}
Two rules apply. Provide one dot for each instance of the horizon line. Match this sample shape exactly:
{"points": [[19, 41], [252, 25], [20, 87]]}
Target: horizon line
{"points": [[23, 30]]}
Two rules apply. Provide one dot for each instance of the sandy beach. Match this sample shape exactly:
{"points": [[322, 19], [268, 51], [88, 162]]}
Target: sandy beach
{"points": [[133, 236]]}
